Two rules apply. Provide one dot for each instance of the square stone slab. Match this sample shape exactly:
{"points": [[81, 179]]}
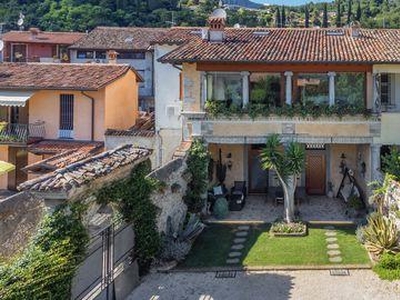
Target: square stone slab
{"points": [[332, 246], [242, 233], [239, 240], [331, 240], [232, 261], [330, 233], [335, 259], [244, 227], [334, 252], [237, 247], [235, 254]]}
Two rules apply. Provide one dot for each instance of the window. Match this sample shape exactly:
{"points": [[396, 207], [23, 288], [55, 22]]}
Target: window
{"points": [[265, 88], [83, 54], [101, 55], [385, 89], [313, 87], [350, 88], [225, 87], [66, 112], [131, 55]]}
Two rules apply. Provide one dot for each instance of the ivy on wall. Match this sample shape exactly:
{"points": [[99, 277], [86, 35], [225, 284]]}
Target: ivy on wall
{"points": [[197, 167], [45, 269], [132, 197]]}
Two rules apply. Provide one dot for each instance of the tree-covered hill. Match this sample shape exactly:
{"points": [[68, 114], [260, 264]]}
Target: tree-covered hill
{"points": [[82, 15]]}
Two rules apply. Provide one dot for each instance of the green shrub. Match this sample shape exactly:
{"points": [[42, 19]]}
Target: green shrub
{"points": [[388, 267], [221, 208], [283, 227]]}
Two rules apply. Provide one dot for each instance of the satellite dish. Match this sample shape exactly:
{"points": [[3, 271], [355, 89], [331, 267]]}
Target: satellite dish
{"points": [[218, 13], [1, 45]]}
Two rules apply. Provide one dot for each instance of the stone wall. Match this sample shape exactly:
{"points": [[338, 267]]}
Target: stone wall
{"points": [[170, 199], [392, 202], [19, 216]]}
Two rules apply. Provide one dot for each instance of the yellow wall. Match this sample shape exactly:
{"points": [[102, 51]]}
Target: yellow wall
{"points": [[237, 171], [4, 157], [121, 102], [390, 129], [191, 87]]}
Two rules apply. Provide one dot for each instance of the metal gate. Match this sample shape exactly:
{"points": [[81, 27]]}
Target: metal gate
{"points": [[109, 253]]}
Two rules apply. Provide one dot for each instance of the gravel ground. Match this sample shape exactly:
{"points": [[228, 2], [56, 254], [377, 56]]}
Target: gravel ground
{"points": [[273, 285]]}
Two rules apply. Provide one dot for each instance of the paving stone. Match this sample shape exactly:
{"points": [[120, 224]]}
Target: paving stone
{"points": [[331, 239], [242, 233], [329, 227], [334, 252], [330, 233], [239, 240], [235, 254], [237, 247], [232, 261], [335, 259], [244, 227], [332, 246]]}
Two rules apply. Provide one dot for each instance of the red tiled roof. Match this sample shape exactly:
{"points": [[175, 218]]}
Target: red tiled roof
{"points": [[84, 172], [38, 76], [43, 37], [144, 127], [178, 35], [290, 45], [119, 38], [59, 146]]}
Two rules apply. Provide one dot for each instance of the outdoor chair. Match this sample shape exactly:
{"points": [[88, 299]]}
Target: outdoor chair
{"points": [[238, 196], [217, 192]]}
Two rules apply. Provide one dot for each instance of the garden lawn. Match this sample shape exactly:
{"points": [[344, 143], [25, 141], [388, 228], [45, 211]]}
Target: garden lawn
{"points": [[212, 248]]}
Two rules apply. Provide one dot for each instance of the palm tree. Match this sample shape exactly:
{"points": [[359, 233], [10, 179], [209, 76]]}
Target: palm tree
{"points": [[288, 162]]}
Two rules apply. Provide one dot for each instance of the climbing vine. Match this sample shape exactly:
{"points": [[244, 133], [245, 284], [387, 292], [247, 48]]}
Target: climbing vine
{"points": [[45, 269], [197, 167], [132, 197]]}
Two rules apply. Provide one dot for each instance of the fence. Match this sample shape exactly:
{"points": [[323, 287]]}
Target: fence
{"points": [[19, 133], [109, 271]]}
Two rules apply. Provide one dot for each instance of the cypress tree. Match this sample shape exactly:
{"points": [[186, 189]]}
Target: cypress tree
{"points": [[338, 14], [349, 13], [307, 17], [278, 18], [283, 16], [325, 16], [358, 13]]}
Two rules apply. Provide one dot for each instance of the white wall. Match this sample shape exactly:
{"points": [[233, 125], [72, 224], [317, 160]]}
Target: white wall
{"points": [[145, 65]]}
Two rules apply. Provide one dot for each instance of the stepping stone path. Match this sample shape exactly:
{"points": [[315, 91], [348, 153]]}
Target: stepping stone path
{"points": [[241, 237], [332, 246]]}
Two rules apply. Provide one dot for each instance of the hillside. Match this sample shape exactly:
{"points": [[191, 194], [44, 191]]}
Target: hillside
{"points": [[82, 15]]}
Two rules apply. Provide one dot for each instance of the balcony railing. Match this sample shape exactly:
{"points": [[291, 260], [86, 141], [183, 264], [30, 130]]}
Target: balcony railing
{"points": [[21, 133]]}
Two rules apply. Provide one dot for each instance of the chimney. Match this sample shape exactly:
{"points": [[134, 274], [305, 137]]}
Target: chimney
{"points": [[217, 23], [34, 32], [112, 57], [355, 29]]}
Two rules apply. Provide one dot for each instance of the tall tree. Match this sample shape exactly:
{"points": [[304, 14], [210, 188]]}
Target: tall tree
{"points": [[306, 17], [338, 14], [283, 17], [358, 12], [325, 16], [349, 12], [278, 20], [288, 165]]}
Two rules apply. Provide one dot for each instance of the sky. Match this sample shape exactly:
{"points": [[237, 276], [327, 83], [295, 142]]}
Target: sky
{"points": [[287, 2]]}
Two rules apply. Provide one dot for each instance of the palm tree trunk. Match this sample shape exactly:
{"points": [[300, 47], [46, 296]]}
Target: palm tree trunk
{"points": [[289, 187]]}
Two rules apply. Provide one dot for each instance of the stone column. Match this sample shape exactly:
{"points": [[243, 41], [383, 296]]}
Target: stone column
{"points": [[245, 88], [203, 89], [376, 104], [331, 88], [288, 75], [376, 162]]}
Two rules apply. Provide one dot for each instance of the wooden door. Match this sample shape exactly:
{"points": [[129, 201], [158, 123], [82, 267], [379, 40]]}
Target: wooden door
{"points": [[315, 174], [258, 177]]}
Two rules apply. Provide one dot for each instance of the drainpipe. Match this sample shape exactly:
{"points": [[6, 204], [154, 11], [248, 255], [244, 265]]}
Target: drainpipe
{"points": [[92, 114]]}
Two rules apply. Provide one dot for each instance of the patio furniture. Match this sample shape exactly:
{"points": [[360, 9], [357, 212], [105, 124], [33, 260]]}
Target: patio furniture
{"points": [[238, 196], [215, 193]]}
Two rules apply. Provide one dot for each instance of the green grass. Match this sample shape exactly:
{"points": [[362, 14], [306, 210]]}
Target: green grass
{"points": [[212, 248]]}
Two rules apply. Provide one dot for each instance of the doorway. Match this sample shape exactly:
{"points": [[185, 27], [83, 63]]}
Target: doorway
{"points": [[258, 177], [19, 53], [315, 172]]}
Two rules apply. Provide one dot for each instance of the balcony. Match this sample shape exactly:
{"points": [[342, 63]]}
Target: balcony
{"points": [[11, 133]]}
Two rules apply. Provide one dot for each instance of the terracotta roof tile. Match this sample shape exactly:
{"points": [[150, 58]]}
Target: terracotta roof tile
{"points": [[144, 127], [43, 37], [59, 146], [86, 171], [290, 45], [119, 38], [38, 76]]}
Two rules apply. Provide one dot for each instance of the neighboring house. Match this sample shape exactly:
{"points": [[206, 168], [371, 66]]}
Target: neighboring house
{"points": [[47, 109], [133, 47], [38, 46], [249, 71]]}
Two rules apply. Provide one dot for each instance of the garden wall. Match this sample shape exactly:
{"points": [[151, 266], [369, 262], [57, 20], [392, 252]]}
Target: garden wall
{"points": [[170, 198], [392, 201], [19, 216]]}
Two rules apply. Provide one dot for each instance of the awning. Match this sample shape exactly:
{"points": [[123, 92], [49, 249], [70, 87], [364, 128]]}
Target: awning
{"points": [[14, 98], [5, 167]]}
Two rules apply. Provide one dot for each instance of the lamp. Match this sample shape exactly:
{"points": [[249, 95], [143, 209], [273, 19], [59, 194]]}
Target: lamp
{"points": [[229, 164], [342, 165]]}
